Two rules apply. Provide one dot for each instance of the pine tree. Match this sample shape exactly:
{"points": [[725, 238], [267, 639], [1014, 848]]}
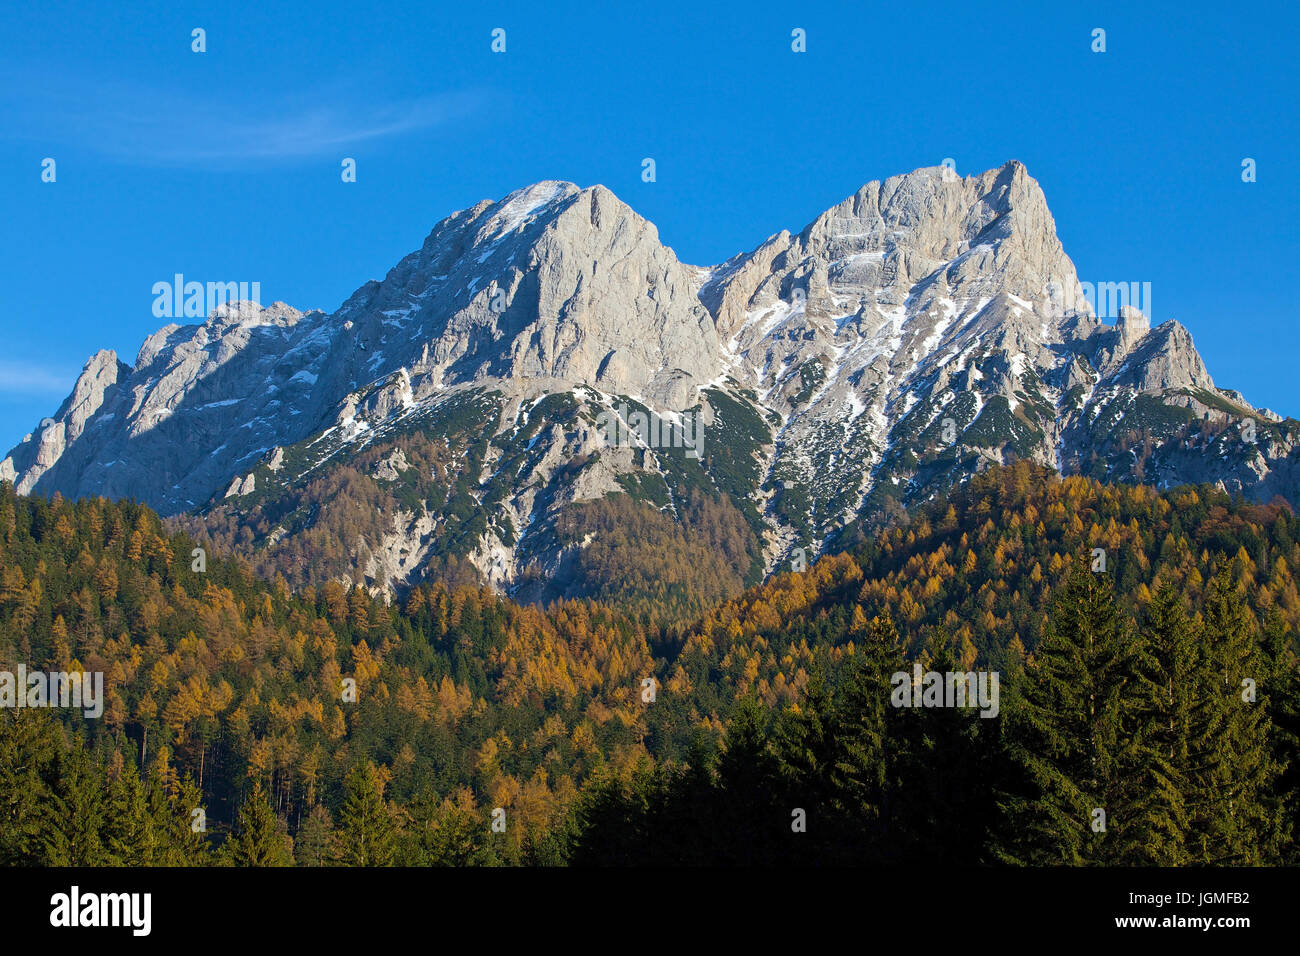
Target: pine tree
{"points": [[861, 765], [1242, 822], [130, 835], [747, 774], [1066, 717], [1167, 725], [365, 835], [29, 742], [78, 808], [311, 846], [258, 839]]}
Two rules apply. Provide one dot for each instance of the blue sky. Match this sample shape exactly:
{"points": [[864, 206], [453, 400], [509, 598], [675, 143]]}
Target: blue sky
{"points": [[225, 165]]}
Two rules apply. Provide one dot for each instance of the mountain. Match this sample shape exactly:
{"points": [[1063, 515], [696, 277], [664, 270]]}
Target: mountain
{"points": [[454, 420]]}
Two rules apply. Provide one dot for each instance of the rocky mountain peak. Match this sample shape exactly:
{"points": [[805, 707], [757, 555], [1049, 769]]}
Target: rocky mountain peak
{"points": [[914, 332]]}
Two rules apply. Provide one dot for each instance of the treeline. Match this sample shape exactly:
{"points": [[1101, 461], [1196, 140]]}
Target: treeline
{"points": [[316, 522], [65, 806], [1121, 741], [659, 565], [273, 710], [984, 564], [657, 554], [237, 682]]}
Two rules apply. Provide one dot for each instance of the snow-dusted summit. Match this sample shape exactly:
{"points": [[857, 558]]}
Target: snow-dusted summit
{"points": [[919, 330]]}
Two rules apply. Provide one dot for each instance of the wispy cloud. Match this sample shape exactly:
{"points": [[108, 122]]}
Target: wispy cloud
{"points": [[28, 378], [147, 126]]}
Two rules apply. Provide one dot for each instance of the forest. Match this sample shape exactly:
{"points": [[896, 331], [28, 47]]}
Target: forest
{"points": [[1145, 643]]}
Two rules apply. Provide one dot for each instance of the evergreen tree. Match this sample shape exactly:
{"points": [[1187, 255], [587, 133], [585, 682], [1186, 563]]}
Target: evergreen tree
{"points": [[186, 841], [258, 839], [78, 808], [366, 835], [945, 799], [1168, 725], [1242, 824], [311, 846], [1065, 735], [445, 832], [1283, 697], [29, 742], [688, 800], [744, 807], [862, 764], [611, 820], [131, 836], [802, 742]]}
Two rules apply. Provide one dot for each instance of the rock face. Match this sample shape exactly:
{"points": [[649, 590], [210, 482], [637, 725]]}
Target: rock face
{"points": [[907, 337], [200, 403]]}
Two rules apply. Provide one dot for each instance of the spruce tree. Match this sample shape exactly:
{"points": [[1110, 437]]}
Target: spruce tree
{"points": [[746, 807], [945, 798], [186, 841], [29, 742], [1168, 725], [311, 846], [1242, 823], [78, 810], [611, 815], [1066, 716], [1282, 695], [130, 835], [443, 832], [366, 835], [861, 764], [258, 839], [802, 744]]}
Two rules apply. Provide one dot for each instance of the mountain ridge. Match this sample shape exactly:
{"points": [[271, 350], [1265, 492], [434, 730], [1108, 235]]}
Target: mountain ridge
{"points": [[901, 341]]}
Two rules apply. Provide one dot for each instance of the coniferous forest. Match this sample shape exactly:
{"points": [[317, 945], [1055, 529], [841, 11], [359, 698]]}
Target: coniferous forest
{"points": [[1145, 645]]}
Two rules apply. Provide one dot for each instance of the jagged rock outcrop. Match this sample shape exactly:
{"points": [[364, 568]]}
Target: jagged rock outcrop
{"points": [[922, 328]]}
